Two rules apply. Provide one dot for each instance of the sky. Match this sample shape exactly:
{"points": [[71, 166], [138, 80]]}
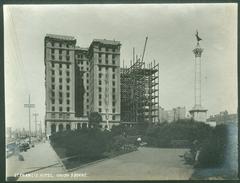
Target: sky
{"points": [[171, 32]]}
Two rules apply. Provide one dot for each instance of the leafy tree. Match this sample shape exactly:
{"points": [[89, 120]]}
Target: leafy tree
{"points": [[95, 119]]}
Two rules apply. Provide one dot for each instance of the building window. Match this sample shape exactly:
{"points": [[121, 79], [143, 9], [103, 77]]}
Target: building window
{"points": [[87, 93], [87, 87], [53, 108], [113, 90], [106, 49], [60, 44], [68, 101], [52, 50], [87, 68], [99, 55], [113, 83], [67, 51], [53, 94], [113, 117], [53, 79], [100, 103], [106, 61], [113, 97], [82, 68], [114, 110], [60, 101], [68, 80], [67, 57], [60, 51], [87, 81], [60, 65], [53, 87], [113, 62], [67, 45], [52, 64], [60, 87], [60, 72], [113, 76], [87, 74], [113, 69], [67, 66], [60, 57], [113, 103], [99, 68], [68, 94], [99, 110], [60, 80], [100, 96], [68, 87], [53, 57], [52, 44], [67, 73], [68, 109], [99, 75], [60, 94], [100, 61], [53, 101], [99, 89], [60, 109], [99, 82]]}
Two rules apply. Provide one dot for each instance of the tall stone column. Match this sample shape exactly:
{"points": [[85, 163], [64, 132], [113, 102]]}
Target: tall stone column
{"points": [[198, 112]]}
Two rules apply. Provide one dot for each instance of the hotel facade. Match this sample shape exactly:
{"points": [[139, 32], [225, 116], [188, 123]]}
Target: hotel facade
{"points": [[79, 81]]}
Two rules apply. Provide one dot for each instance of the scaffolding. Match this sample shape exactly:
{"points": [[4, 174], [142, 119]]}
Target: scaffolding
{"points": [[140, 93]]}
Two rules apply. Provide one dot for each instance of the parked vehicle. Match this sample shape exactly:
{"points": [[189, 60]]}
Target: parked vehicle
{"points": [[24, 147]]}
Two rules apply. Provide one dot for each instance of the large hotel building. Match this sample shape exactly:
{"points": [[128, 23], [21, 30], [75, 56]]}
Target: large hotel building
{"points": [[79, 81]]}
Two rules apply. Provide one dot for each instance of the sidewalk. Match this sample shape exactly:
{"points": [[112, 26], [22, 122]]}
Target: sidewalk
{"points": [[40, 159]]}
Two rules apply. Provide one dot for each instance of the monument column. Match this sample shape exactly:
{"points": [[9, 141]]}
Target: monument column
{"points": [[198, 112]]}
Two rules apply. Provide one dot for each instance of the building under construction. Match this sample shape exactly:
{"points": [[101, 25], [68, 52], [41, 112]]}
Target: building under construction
{"points": [[140, 92]]}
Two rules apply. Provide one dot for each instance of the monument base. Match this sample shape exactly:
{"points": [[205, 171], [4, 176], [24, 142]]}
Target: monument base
{"points": [[199, 114]]}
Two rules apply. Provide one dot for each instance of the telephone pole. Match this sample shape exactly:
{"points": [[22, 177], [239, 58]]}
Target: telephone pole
{"points": [[29, 106], [35, 115]]}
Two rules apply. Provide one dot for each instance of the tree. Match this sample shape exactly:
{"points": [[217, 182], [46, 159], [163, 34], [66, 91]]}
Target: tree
{"points": [[95, 119]]}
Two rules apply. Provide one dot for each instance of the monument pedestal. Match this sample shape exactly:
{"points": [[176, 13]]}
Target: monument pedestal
{"points": [[198, 113]]}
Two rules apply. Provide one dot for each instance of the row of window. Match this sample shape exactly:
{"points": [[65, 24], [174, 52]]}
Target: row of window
{"points": [[100, 68], [100, 83], [100, 75], [60, 101], [113, 96], [60, 80], [60, 57], [100, 103], [60, 65], [60, 87], [106, 61], [61, 45], [113, 90], [61, 109], [81, 62], [59, 51], [60, 72], [61, 94], [107, 49], [106, 55]]}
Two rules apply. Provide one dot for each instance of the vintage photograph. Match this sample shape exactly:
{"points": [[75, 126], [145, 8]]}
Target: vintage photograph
{"points": [[121, 92]]}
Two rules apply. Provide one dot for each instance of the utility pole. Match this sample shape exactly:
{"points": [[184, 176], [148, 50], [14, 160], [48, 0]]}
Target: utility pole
{"points": [[35, 115], [29, 106]]}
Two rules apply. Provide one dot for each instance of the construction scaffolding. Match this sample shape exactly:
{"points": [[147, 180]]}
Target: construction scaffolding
{"points": [[140, 93]]}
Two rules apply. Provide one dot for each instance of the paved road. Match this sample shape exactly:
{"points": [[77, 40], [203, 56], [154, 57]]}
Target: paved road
{"points": [[144, 164]]}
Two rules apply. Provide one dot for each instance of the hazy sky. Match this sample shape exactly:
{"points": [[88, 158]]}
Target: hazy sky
{"points": [[170, 30]]}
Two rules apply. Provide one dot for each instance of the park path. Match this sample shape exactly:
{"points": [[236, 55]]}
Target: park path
{"points": [[144, 164]]}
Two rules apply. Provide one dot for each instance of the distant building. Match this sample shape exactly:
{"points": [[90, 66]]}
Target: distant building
{"points": [[223, 118], [174, 114]]}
